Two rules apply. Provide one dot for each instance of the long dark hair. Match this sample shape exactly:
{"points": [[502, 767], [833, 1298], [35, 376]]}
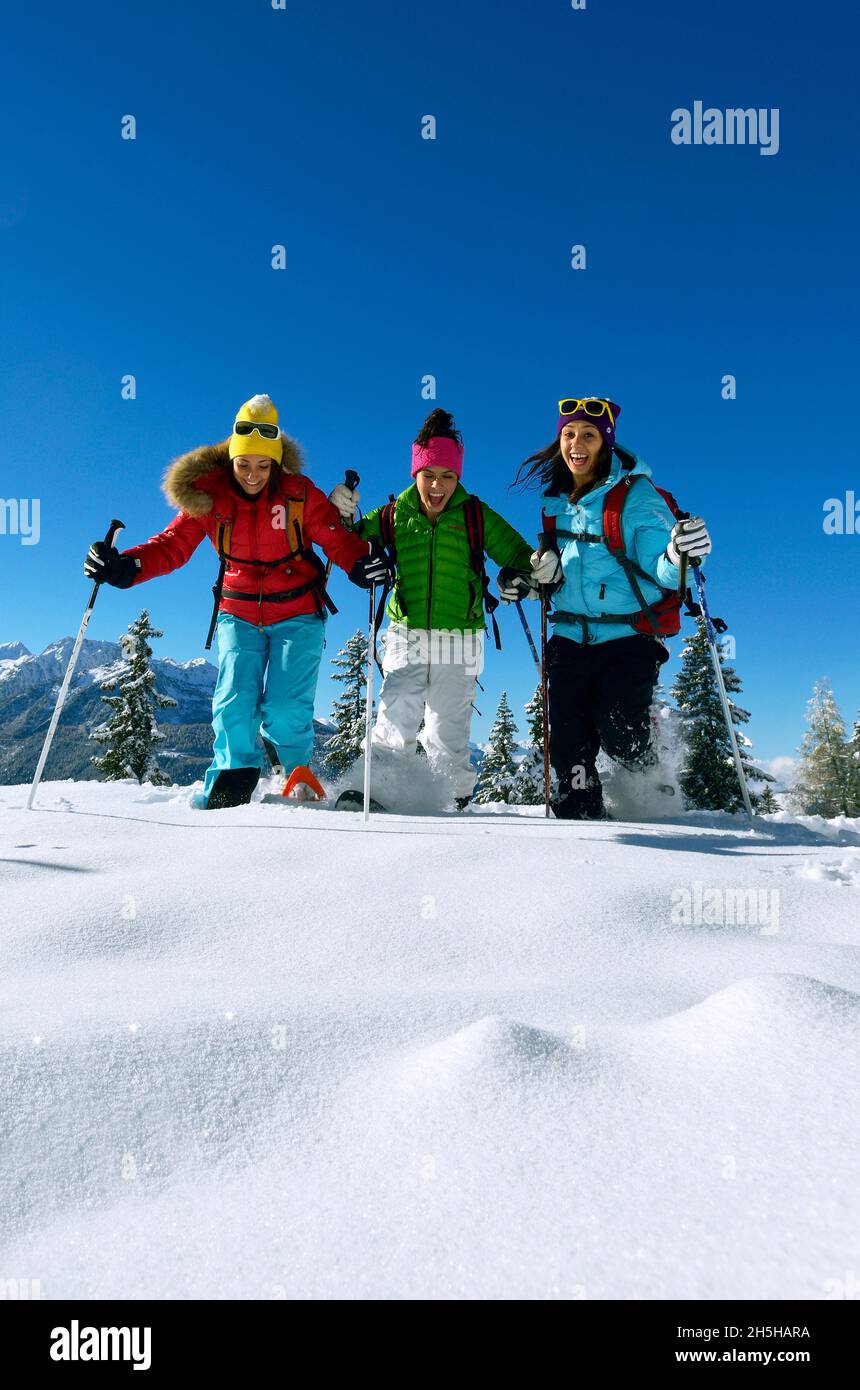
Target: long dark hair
{"points": [[438, 425], [547, 469]]}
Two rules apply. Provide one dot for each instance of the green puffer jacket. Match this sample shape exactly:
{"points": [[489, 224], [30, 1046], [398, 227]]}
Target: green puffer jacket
{"points": [[436, 586]]}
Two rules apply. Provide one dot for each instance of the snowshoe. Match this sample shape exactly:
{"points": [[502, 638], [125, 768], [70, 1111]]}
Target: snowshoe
{"points": [[233, 787], [354, 801], [301, 785]]}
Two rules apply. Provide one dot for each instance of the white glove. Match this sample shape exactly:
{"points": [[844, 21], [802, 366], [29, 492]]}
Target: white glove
{"points": [[345, 500], [546, 568], [688, 538]]}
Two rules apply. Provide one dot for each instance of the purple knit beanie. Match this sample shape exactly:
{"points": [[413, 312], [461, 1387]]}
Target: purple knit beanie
{"points": [[600, 422]]}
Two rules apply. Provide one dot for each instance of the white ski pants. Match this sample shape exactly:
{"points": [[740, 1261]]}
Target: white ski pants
{"points": [[430, 675]]}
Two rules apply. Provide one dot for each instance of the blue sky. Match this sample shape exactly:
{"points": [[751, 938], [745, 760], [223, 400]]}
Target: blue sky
{"points": [[408, 257]]}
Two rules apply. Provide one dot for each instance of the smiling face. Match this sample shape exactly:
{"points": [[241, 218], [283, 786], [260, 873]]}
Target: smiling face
{"points": [[436, 487], [580, 443], [252, 472]]}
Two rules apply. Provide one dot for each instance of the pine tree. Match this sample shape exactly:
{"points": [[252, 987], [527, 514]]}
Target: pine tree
{"points": [[708, 776], [498, 769], [767, 803], [528, 783], [132, 732], [854, 754], [348, 711], [823, 786]]}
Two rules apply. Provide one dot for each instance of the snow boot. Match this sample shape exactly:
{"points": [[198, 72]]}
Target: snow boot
{"points": [[273, 755], [233, 787], [580, 803]]}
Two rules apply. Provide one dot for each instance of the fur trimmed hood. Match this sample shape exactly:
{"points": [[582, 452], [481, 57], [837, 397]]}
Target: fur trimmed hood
{"points": [[183, 482]]}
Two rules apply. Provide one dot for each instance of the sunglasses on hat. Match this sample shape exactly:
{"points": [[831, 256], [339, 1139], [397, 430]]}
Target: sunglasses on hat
{"points": [[250, 426], [592, 406]]}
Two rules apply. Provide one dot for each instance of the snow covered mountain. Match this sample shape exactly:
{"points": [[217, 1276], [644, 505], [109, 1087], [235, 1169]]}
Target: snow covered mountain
{"points": [[273, 1053], [28, 690]]}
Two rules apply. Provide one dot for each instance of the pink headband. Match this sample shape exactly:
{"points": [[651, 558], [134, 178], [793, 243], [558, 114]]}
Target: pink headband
{"points": [[438, 452]]}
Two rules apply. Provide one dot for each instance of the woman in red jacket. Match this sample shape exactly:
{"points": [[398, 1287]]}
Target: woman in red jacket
{"points": [[249, 497]]}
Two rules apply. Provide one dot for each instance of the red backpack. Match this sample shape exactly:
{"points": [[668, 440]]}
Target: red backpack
{"points": [[660, 619]]}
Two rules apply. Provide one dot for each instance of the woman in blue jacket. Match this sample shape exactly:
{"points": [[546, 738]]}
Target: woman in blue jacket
{"points": [[614, 568]]}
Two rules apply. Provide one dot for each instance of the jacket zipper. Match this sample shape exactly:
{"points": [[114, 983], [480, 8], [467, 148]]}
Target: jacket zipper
{"points": [[430, 576], [260, 568]]}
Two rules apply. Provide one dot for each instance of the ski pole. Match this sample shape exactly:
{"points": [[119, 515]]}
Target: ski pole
{"points": [[527, 630], [114, 527], [721, 687], [351, 480], [544, 693], [368, 710]]}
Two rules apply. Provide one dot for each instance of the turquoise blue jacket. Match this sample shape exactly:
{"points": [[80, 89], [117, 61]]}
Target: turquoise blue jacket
{"points": [[595, 583]]}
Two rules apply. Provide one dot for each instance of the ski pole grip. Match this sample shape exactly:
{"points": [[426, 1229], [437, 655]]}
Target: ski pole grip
{"points": [[112, 530], [351, 479]]}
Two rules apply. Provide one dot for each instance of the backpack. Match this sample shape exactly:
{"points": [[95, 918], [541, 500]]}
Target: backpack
{"points": [[295, 509], [660, 619], [473, 514]]}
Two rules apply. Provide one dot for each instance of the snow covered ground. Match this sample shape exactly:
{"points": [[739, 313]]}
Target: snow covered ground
{"points": [[268, 1053]]}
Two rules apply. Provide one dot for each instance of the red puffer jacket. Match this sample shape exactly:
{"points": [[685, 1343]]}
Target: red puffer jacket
{"points": [[202, 486]]}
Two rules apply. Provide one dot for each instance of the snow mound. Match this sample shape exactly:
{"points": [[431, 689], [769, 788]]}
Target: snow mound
{"points": [[845, 871], [496, 1045], [763, 1011], [843, 830]]}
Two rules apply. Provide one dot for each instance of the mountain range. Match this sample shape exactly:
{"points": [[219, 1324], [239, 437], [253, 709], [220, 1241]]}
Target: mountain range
{"points": [[28, 691]]}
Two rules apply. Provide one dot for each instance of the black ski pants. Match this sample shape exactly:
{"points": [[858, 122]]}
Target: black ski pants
{"points": [[600, 696]]}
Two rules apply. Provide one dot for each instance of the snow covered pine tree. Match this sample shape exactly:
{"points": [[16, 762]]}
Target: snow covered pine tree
{"points": [[132, 732], [498, 770], [708, 778], [528, 783], [344, 746], [854, 749], [823, 786]]}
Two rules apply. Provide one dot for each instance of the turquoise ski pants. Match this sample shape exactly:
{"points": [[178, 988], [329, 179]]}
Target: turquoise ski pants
{"points": [[267, 679]]}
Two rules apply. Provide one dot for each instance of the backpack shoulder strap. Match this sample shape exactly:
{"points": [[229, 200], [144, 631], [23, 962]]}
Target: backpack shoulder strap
{"points": [[473, 514], [613, 506], [389, 543], [386, 527], [549, 530], [223, 532], [222, 537]]}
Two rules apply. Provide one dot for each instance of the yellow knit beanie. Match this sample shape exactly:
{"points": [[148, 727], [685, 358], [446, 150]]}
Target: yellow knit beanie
{"points": [[258, 411]]}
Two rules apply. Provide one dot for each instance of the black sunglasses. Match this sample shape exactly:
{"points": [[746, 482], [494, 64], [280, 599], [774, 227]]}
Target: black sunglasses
{"points": [[249, 426]]}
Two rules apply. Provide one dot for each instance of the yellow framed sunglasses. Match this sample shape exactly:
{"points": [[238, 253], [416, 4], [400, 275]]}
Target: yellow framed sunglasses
{"points": [[592, 406]]}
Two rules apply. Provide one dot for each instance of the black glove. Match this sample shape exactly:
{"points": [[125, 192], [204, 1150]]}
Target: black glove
{"points": [[105, 564], [375, 568], [515, 585]]}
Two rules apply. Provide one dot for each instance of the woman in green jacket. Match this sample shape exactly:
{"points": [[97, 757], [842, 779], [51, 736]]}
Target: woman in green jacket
{"points": [[434, 644]]}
